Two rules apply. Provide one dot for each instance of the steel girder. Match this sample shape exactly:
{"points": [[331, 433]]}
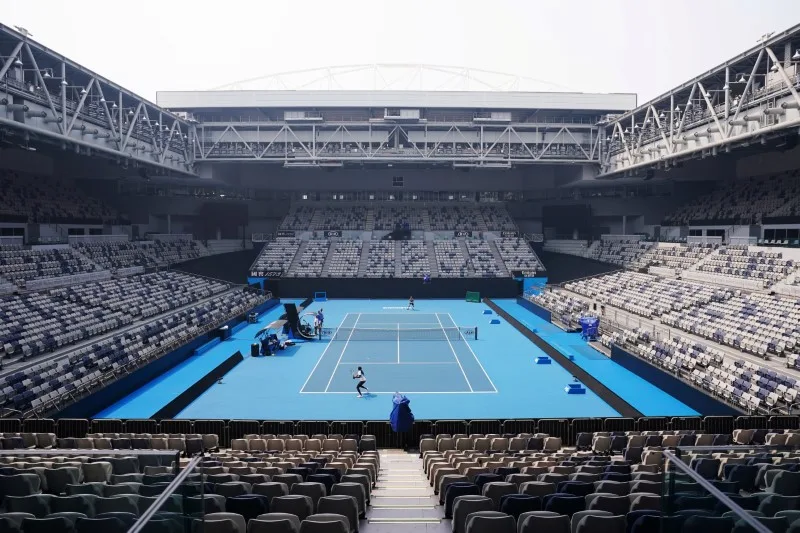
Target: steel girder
{"points": [[749, 99], [339, 143], [46, 98]]}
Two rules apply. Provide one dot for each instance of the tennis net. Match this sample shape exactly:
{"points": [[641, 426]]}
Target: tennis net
{"points": [[402, 334]]}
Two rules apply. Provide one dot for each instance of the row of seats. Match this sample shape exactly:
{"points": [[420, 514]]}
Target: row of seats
{"points": [[518, 255], [21, 265], [49, 200], [414, 262], [618, 251], [589, 487], [739, 382], [59, 380], [677, 258], [644, 294], [389, 217], [344, 258], [743, 201], [311, 260], [740, 262], [450, 259]]}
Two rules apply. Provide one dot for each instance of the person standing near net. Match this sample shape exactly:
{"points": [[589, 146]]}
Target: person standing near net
{"points": [[362, 380], [410, 303]]}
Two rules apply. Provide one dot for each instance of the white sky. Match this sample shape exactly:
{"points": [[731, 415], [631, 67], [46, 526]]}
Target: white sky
{"points": [[640, 46]]}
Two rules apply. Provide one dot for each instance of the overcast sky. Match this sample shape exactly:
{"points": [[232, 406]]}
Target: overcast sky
{"points": [[640, 46]]}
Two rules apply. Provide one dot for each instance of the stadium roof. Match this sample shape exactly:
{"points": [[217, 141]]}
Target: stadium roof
{"points": [[194, 100]]}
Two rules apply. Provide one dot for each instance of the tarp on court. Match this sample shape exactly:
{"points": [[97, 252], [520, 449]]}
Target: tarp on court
{"points": [[401, 419]]}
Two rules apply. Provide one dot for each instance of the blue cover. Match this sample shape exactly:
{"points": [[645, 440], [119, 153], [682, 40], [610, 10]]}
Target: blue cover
{"points": [[401, 419], [589, 327]]}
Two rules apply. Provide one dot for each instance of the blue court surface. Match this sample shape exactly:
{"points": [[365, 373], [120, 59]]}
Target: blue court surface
{"points": [[421, 353], [636, 391]]}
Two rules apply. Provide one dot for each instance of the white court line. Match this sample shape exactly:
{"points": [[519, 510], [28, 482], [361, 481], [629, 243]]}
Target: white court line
{"points": [[405, 392], [338, 362], [473, 354], [393, 324], [398, 343], [346, 363], [325, 351], [454, 351], [404, 315]]}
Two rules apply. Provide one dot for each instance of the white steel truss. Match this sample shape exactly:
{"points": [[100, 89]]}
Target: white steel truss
{"points": [[344, 143], [47, 98], [753, 98]]}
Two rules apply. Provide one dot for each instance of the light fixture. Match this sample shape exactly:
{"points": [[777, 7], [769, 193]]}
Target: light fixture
{"points": [[796, 56], [774, 67], [677, 109], [64, 83], [741, 79], [18, 62], [627, 130], [47, 75], [83, 91], [114, 105], [662, 116], [726, 87], [102, 100]]}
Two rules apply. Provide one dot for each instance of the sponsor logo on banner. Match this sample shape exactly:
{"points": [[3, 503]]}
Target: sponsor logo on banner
{"points": [[333, 233], [266, 273], [509, 234], [285, 233], [462, 233]]}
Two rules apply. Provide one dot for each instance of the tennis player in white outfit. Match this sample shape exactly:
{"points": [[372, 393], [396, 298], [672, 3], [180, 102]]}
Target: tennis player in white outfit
{"points": [[362, 379]]}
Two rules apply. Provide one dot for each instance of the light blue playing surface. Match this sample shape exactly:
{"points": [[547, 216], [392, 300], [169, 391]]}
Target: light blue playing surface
{"points": [[493, 377]]}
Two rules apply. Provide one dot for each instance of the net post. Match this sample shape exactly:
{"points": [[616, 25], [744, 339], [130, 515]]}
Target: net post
{"points": [[476, 333]]}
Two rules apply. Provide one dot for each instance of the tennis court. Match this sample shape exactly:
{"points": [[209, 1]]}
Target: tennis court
{"points": [[416, 352]]}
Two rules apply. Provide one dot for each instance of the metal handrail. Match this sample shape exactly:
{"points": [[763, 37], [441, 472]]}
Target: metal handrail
{"points": [[141, 523], [714, 491]]}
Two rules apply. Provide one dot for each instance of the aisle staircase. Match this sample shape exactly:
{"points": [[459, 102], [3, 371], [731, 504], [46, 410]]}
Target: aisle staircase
{"points": [[364, 262], [462, 245], [498, 257], [432, 261], [403, 497], [426, 220], [297, 256], [369, 220], [398, 264], [326, 265]]}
